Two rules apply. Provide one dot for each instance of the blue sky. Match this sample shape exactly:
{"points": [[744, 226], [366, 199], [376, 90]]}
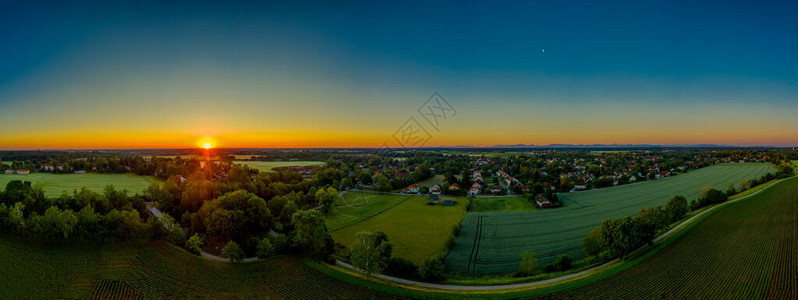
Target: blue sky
{"points": [[612, 72]]}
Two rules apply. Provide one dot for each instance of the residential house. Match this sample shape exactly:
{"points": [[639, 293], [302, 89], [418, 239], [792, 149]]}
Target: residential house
{"points": [[412, 189], [542, 202], [23, 171]]}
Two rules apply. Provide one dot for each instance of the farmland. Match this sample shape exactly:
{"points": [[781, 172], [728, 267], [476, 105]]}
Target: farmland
{"points": [[746, 250], [353, 207], [492, 242], [54, 184], [417, 230], [267, 166], [156, 271]]}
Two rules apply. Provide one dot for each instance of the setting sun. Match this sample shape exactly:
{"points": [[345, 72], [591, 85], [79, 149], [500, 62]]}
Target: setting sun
{"points": [[207, 145]]}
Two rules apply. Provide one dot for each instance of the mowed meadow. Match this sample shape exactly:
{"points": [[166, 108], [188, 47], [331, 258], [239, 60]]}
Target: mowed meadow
{"points": [[416, 230], [491, 243], [54, 184]]}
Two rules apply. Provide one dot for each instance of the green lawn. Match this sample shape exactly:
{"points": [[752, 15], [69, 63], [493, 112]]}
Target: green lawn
{"points": [[482, 204], [491, 243], [54, 184], [7, 163], [354, 207], [417, 230], [267, 166], [429, 182]]}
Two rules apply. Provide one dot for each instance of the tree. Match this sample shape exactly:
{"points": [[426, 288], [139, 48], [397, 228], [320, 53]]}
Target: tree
{"points": [[731, 190], [311, 234], [529, 263], [54, 223], [197, 191], [326, 198], [647, 222], [16, 217], [194, 244], [785, 170], [233, 252], [265, 248], [617, 236], [432, 269], [676, 207], [566, 184], [371, 251], [592, 242]]}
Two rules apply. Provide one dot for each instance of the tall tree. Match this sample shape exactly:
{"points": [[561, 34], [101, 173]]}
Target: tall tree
{"points": [[371, 251]]}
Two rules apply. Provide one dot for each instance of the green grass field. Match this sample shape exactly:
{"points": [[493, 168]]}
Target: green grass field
{"points": [[429, 182], [415, 229], [7, 163], [500, 204], [491, 243], [54, 184], [354, 207], [747, 250], [267, 166], [156, 271]]}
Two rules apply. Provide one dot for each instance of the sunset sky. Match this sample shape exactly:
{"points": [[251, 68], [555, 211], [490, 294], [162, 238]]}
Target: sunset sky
{"points": [[134, 74]]}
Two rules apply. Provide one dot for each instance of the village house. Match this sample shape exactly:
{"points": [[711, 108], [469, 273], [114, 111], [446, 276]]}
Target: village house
{"points": [[412, 189], [9, 172], [47, 167], [542, 202], [23, 171], [435, 190]]}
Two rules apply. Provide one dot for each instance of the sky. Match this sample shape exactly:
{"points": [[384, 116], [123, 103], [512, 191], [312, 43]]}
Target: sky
{"points": [[285, 74]]}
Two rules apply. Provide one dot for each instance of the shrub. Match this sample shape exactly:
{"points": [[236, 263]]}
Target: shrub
{"points": [[563, 263], [400, 267], [265, 248], [194, 244], [233, 252], [432, 269]]}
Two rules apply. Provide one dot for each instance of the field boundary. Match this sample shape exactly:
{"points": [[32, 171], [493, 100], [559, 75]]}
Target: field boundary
{"points": [[580, 275]]}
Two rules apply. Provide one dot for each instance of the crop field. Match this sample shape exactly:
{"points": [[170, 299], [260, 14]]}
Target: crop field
{"points": [[415, 229], [54, 184], [267, 166], [353, 207], [747, 250], [486, 204], [156, 271], [492, 242]]}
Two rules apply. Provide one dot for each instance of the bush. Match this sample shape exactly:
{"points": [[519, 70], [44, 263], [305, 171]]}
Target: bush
{"points": [[194, 244], [265, 248], [432, 269], [563, 262], [550, 268], [400, 267], [233, 252]]}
